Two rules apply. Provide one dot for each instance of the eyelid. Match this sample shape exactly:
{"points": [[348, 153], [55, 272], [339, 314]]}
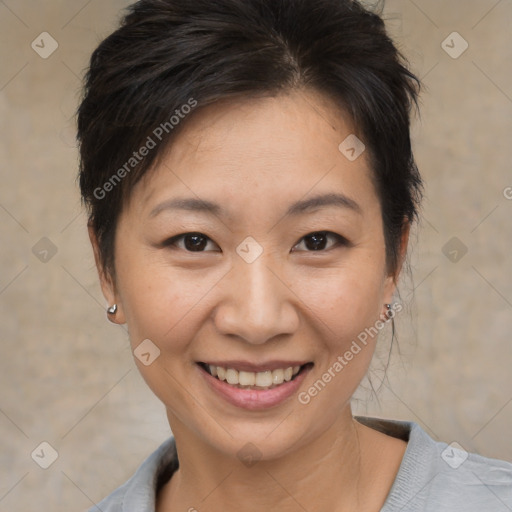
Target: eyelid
{"points": [[172, 242], [340, 241]]}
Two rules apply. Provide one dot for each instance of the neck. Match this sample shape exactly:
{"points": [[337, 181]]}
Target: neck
{"points": [[302, 479]]}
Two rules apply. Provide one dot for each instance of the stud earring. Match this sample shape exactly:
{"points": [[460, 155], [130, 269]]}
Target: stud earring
{"points": [[389, 314], [112, 309]]}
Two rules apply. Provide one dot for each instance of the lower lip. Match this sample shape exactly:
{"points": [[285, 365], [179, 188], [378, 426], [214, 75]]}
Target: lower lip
{"points": [[254, 399]]}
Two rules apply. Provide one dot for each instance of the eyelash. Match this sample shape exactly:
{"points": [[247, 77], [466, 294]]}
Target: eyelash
{"points": [[340, 241]]}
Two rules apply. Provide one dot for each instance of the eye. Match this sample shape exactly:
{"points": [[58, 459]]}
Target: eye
{"points": [[314, 242], [192, 242], [317, 241]]}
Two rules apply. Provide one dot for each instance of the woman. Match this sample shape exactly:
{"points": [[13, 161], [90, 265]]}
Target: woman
{"points": [[251, 187]]}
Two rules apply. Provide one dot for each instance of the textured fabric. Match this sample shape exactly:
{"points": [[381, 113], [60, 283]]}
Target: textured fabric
{"points": [[433, 477]]}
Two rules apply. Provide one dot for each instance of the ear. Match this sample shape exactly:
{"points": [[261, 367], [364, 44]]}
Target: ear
{"points": [[392, 280], [107, 281]]}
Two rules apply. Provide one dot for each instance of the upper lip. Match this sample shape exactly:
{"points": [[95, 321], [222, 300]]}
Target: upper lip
{"points": [[247, 366]]}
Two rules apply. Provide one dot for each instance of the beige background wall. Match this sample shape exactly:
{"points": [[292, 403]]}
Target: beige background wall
{"points": [[67, 376]]}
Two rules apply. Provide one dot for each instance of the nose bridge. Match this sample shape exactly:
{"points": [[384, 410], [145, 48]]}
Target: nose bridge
{"points": [[257, 305], [260, 285]]}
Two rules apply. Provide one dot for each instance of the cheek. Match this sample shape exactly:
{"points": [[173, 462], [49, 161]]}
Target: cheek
{"points": [[159, 301], [163, 306], [346, 299], [346, 306]]}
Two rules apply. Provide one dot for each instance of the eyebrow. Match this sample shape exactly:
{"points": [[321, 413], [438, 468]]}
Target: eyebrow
{"points": [[297, 208]]}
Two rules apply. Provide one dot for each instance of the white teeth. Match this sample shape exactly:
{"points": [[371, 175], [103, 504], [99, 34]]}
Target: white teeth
{"points": [[277, 376], [221, 373], [263, 379], [232, 376], [246, 378]]}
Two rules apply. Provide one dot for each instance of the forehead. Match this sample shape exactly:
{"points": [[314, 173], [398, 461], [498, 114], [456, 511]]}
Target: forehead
{"points": [[267, 147]]}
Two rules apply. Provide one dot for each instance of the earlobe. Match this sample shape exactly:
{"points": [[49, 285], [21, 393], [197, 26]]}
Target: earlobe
{"points": [[114, 310]]}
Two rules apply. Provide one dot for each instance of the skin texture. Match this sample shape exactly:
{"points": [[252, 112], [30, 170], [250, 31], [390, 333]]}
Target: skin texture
{"points": [[255, 158]]}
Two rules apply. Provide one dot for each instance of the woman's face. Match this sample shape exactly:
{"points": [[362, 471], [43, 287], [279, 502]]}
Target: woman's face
{"points": [[255, 245]]}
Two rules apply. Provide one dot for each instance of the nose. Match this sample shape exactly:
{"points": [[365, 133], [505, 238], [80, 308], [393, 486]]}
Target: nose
{"points": [[256, 304]]}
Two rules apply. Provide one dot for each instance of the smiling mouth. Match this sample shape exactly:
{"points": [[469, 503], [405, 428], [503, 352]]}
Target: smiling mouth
{"points": [[267, 379]]}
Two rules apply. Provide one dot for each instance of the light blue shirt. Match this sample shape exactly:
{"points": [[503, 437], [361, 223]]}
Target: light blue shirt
{"points": [[433, 477]]}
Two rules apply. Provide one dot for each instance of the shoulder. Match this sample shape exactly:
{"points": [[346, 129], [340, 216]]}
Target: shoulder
{"points": [[436, 476], [139, 492]]}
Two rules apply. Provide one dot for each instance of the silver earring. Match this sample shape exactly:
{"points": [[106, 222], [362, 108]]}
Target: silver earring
{"points": [[388, 316], [112, 309]]}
